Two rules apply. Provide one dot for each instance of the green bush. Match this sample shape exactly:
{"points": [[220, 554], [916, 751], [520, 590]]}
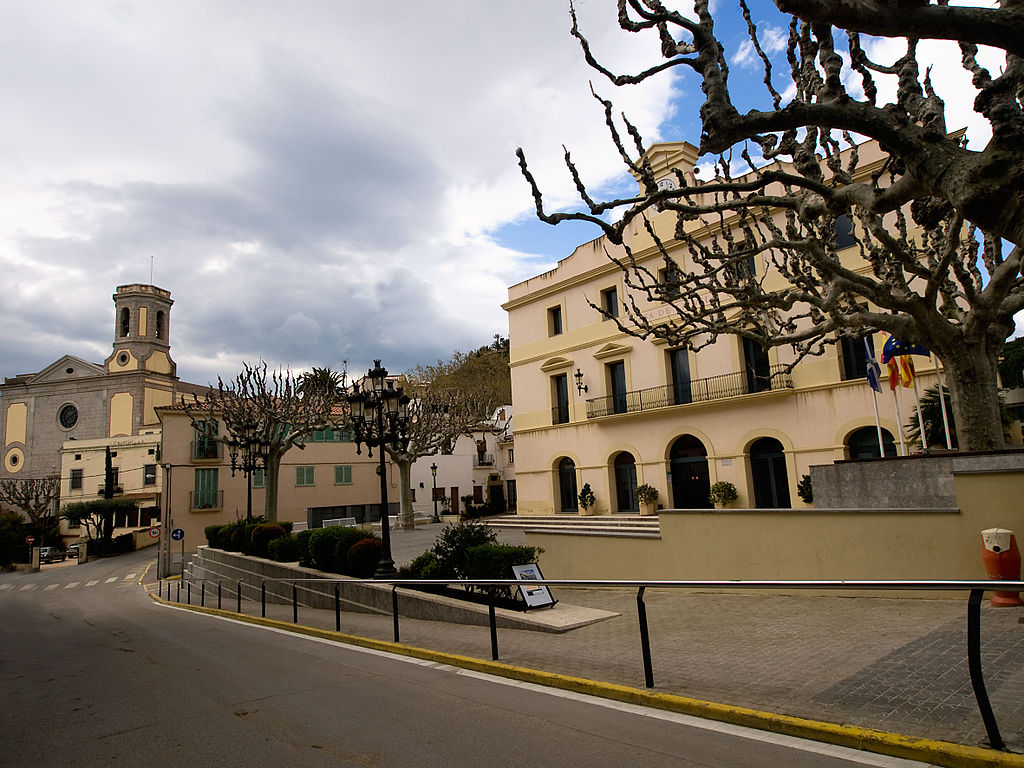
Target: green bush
{"points": [[425, 566], [287, 525], [302, 541], [345, 539], [213, 535], [495, 561], [364, 557], [453, 543], [262, 534], [283, 549], [231, 536]]}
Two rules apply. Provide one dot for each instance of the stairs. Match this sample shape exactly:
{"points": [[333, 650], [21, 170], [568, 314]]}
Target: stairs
{"points": [[630, 526]]}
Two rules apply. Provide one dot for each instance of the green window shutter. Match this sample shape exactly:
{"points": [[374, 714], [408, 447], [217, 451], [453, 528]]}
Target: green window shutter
{"points": [[304, 476], [343, 475], [259, 478]]}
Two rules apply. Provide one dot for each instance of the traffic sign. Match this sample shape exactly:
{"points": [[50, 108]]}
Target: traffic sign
{"points": [[178, 534], [30, 540], [154, 533]]}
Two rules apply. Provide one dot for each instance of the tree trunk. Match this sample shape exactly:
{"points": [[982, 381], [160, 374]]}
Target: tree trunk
{"points": [[971, 374], [273, 471], [405, 478]]}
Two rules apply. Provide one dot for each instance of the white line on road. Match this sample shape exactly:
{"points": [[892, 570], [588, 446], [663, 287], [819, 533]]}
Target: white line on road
{"points": [[50, 586], [130, 576], [5, 586], [27, 587], [92, 583], [72, 584], [112, 578]]}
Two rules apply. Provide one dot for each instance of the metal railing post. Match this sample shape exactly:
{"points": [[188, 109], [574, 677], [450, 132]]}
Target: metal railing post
{"points": [[202, 593], [263, 599], [160, 588], [974, 665], [238, 607], [188, 592], [295, 602], [218, 595], [494, 629], [337, 607], [394, 609], [178, 599], [645, 638]]}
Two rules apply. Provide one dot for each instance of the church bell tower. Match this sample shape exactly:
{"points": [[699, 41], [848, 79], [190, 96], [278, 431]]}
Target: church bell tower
{"points": [[142, 330]]}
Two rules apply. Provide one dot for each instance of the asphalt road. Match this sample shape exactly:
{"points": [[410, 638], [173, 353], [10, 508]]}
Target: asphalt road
{"points": [[94, 673]]}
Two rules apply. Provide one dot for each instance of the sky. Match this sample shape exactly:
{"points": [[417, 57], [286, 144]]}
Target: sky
{"points": [[316, 183]]}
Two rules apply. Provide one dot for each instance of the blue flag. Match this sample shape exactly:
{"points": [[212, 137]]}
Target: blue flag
{"points": [[874, 373], [895, 348]]}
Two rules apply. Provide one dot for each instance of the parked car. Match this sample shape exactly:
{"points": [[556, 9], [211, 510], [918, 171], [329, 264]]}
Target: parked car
{"points": [[50, 554], [72, 551]]}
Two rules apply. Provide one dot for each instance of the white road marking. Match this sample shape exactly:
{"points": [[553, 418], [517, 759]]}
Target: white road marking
{"points": [[92, 583], [130, 576], [5, 586], [112, 578], [51, 586], [27, 587], [72, 584]]}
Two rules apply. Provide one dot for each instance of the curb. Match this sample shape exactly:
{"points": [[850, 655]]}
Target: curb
{"points": [[942, 753]]}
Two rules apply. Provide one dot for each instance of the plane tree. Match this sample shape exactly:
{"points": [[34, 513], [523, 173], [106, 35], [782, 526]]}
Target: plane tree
{"points": [[36, 498], [937, 224]]}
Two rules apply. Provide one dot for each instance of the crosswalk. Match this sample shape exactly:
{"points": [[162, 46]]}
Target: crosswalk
{"points": [[119, 581]]}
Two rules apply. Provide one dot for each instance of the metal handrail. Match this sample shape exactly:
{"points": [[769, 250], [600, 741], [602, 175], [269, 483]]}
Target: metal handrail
{"points": [[975, 589]]}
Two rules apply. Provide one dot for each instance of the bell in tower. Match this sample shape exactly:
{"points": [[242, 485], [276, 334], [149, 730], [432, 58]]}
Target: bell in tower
{"points": [[142, 330]]}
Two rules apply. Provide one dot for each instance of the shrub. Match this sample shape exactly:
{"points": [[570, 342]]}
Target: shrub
{"points": [[328, 547], [454, 541], [302, 541], [213, 535], [425, 566], [262, 534], [804, 489], [495, 561], [346, 537], [364, 556], [723, 492], [646, 494], [586, 497], [283, 549], [287, 525]]}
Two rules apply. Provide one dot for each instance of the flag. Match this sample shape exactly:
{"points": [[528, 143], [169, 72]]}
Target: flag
{"points": [[907, 372], [874, 373], [893, 347]]}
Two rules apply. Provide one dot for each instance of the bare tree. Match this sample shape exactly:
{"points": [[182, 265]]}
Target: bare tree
{"points": [[283, 416], [946, 284], [36, 498]]}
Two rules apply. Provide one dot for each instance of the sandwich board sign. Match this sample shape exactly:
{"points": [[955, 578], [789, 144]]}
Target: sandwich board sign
{"points": [[537, 595]]}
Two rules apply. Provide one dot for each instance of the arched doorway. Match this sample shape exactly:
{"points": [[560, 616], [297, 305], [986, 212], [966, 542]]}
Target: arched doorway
{"points": [[690, 481], [568, 498], [768, 471], [625, 484], [863, 443]]}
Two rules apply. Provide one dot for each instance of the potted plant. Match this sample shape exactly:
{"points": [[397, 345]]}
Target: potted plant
{"points": [[587, 499], [805, 490], [722, 494], [647, 495]]}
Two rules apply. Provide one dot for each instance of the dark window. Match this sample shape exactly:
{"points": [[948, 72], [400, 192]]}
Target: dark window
{"points": [[617, 386], [844, 231], [610, 302], [567, 496], [679, 365], [756, 366], [160, 324], [554, 321], [126, 317], [510, 494], [670, 278], [560, 395], [854, 357], [769, 475], [863, 444], [690, 480], [625, 483], [76, 479]]}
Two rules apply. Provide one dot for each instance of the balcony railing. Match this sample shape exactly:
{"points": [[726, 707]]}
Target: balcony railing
{"points": [[205, 450], [696, 391], [103, 489], [206, 500], [483, 460]]}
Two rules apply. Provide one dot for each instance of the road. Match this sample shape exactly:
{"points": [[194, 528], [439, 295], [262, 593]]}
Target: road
{"points": [[94, 673]]}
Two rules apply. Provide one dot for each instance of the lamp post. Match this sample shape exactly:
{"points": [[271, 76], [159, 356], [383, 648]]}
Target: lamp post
{"points": [[433, 471], [254, 456], [380, 420]]}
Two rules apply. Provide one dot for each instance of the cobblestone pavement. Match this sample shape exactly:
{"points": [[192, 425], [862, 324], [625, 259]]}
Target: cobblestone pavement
{"points": [[895, 664]]}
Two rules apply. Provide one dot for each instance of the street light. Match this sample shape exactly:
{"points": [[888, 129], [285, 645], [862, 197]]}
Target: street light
{"points": [[433, 471], [380, 420], [254, 456]]}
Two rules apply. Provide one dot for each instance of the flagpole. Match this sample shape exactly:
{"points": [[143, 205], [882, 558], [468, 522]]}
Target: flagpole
{"points": [[878, 424], [899, 423], [942, 403], [920, 418]]}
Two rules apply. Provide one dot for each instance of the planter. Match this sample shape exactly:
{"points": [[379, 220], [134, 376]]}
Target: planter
{"points": [[649, 509]]}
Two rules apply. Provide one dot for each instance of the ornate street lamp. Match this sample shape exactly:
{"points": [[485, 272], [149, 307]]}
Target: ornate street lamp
{"points": [[254, 456], [433, 471], [380, 420]]}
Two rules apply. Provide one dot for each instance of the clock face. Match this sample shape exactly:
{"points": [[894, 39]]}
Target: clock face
{"points": [[666, 184], [68, 416]]}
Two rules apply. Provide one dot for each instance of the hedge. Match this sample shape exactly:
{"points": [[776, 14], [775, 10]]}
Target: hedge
{"points": [[364, 557], [283, 549]]}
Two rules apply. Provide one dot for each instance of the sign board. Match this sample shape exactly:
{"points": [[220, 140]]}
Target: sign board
{"points": [[154, 533], [178, 534], [537, 596], [30, 540]]}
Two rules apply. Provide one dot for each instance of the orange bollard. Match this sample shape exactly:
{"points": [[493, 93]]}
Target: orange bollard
{"points": [[1002, 562]]}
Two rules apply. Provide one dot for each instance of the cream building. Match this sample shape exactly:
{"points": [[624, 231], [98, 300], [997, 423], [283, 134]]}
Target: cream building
{"points": [[597, 406]]}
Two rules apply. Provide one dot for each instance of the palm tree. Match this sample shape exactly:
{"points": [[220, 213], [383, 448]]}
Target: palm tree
{"points": [[322, 380]]}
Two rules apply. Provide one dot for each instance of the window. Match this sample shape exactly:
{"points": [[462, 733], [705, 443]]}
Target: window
{"points": [[617, 386], [259, 478], [206, 440], [679, 367], [670, 279], [510, 494], [478, 494], [511, 456], [126, 317], [343, 475], [844, 232], [160, 324], [149, 474], [304, 476], [554, 321], [76, 479], [610, 302], [205, 495], [853, 356], [560, 398], [756, 366], [330, 436]]}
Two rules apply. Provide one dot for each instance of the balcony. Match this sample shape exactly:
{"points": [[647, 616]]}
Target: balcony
{"points": [[483, 460], [205, 500], [698, 391], [118, 490], [206, 450]]}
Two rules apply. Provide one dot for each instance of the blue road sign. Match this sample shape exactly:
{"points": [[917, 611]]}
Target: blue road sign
{"points": [[178, 534]]}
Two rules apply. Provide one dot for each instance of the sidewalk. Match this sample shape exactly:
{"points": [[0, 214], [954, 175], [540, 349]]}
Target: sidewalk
{"points": [[896, 665]]}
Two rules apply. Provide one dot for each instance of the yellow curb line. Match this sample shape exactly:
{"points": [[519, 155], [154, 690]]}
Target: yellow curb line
{"points": [[942, 753]]}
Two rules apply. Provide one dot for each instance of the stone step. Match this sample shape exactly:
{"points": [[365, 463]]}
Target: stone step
{"points": [[631, 525]]}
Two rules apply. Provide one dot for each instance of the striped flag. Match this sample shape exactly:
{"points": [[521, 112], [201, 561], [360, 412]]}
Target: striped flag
{"points": [[874, 373]]}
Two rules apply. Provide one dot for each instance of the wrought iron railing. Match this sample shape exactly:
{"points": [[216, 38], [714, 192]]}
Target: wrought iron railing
{"points": [[205, 450], [206, 499], [695, 391]]}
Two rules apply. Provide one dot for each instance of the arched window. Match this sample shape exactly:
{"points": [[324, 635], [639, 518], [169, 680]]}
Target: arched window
{"points": [[568, 501], [126, 318], [625, 484], [768, 471], [690, 481], [863, 443], [160, 324]]}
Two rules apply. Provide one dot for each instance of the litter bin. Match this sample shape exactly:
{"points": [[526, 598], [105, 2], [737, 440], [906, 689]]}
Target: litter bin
{"points": [[1002, 562]]}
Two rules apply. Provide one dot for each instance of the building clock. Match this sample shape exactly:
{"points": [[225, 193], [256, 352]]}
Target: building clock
{"points": [[68, 416]]}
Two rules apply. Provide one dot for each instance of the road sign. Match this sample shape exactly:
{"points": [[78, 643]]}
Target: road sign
{"points": [[178, 534], [154, 533], [30, 540]]}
